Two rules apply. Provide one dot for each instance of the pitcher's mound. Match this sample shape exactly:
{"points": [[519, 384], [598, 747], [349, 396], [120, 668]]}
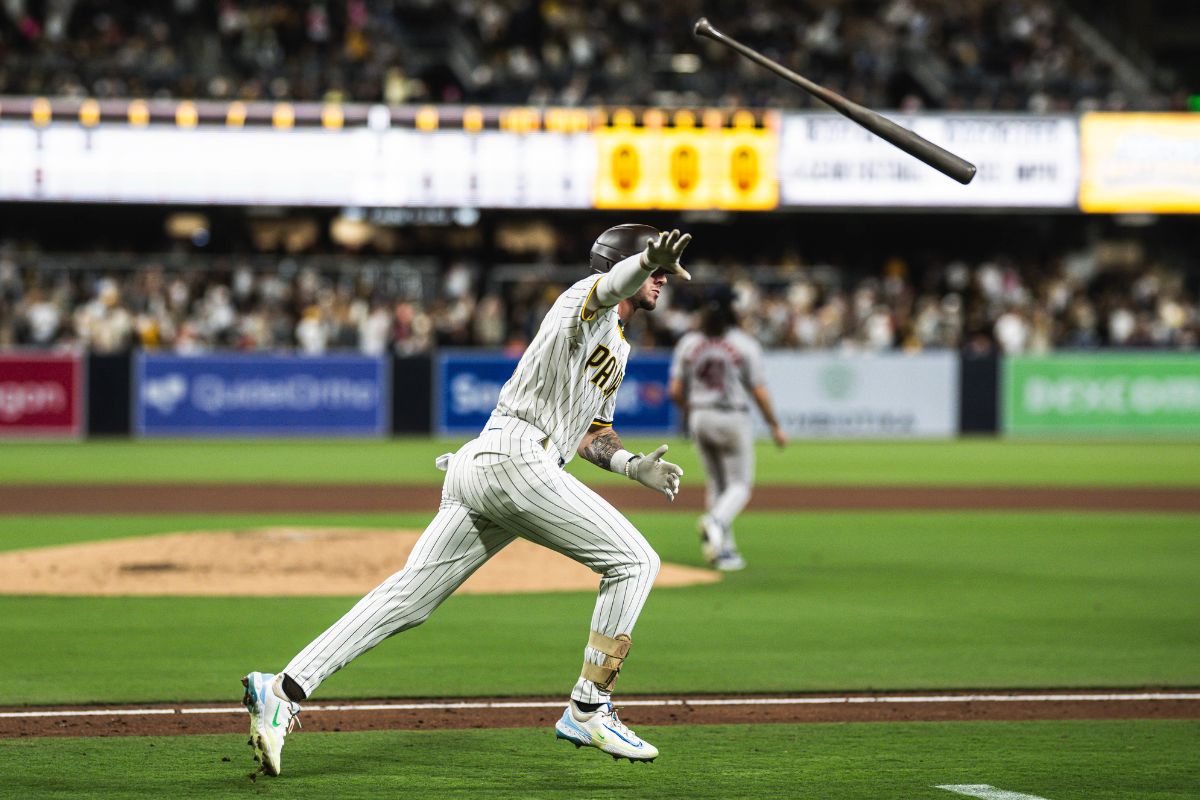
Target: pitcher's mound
{"points": [[282, 561]]}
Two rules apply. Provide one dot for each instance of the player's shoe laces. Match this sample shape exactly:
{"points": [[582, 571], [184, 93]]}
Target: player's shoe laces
{"points": [[601, 729], [271, 719]]}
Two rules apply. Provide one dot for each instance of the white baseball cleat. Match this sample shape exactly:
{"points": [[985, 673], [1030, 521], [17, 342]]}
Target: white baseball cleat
{"points": [[711, 537], [271, 719], [601, 729], [729, 561]]}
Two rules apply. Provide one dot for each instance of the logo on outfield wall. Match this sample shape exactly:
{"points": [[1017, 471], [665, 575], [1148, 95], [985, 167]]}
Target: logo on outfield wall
{"points": [[40, 395], [1102, 392], [469, 385], [260, 395], [164, 394], [838, 381]]}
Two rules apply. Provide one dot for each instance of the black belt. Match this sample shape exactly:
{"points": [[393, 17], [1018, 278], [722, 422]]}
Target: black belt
{"points": [[721, 407]]}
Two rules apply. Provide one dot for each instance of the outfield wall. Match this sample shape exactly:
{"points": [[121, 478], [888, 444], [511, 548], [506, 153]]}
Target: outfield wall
{"points": [[816, 394]]}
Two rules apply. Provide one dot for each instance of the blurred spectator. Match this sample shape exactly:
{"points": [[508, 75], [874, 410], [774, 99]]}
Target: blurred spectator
{"points": [[1068, 301], [1002, 54], [103, 324]]}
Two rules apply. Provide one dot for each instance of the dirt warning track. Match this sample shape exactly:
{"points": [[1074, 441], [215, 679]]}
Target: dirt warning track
{"points": [[98, 498], [515, 712]]}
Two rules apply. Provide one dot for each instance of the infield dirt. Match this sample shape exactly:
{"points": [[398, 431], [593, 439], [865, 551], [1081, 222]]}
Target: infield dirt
{"points": [[98, 498]]}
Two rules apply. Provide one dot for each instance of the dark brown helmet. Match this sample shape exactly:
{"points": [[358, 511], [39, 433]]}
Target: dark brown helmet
{"points": [[620, 242]]}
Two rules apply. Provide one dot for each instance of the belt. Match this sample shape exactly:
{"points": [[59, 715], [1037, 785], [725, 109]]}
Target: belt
{"points": [[522, 429], [720, 407]]}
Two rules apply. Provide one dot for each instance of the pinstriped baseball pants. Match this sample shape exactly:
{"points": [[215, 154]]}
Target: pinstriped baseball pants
{"points": [[504, 484]]}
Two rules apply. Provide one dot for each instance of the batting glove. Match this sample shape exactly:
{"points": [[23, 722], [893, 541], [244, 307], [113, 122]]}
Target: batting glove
{"points": [[664, 253], [652, 471]]}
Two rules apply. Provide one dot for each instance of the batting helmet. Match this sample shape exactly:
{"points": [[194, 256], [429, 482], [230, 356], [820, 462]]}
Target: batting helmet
{"points": [[619, 242]]}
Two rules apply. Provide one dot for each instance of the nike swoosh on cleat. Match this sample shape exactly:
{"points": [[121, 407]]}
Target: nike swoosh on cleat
{"points": [[622, 738], [275, 721]]}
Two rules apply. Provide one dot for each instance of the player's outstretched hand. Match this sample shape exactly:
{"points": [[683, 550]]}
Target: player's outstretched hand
{"points": [[661, 476], [664, 253]]}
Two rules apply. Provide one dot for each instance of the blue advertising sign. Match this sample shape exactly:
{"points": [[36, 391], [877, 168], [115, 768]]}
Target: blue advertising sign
{"points": [[468, 384], [261, 395]]}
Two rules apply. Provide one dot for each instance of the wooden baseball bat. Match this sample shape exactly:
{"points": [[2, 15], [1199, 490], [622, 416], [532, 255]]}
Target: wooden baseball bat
{"points": [[939, 158]]}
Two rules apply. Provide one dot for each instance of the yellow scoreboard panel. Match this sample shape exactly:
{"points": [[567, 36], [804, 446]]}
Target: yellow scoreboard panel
{"points": [[682, 162]]}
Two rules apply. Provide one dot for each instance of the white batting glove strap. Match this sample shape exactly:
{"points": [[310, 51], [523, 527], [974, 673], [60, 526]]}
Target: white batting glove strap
{"points": [[665, 252], [653, 472]]}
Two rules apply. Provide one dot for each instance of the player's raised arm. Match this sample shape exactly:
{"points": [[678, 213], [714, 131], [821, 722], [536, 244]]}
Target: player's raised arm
{"points": [[627, 275], [602, 446]]}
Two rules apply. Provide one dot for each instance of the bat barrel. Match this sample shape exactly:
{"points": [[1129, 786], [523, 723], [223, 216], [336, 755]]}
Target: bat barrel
{"points": [[937, 157]]}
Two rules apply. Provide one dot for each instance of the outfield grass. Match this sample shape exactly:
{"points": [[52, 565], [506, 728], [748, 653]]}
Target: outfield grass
{"points": [[831, 601], [961, 462], [1148, 760]]}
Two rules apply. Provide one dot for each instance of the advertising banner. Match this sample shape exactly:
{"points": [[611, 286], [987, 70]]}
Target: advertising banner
{"points": [[468, 384], [1115, 393], [40, 395], [686, 167], [1140, 163], [260, 395], [870, 396], [1024, 161]]}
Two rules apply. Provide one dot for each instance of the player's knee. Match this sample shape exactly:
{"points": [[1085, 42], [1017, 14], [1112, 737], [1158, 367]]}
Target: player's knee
{"points": [[740, 492], [650, 564], [642, 563]]}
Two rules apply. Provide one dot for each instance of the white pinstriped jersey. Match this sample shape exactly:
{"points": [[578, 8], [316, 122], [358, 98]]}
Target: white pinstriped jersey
{"points": [[568, 376]]}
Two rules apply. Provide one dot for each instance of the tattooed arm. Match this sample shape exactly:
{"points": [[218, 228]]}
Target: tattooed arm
{"points": [[599, 445], [602, 447]]}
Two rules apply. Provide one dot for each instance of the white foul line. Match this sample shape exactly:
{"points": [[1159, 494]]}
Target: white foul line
{"points": [[700, 701], [986, 792]]}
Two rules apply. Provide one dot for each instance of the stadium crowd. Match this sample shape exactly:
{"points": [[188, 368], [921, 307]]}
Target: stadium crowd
{"points": [[1076, 301], [955, 54]]}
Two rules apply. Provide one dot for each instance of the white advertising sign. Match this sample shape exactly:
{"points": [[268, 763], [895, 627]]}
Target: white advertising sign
{"points": [[1023, 162], [304, 166], [869, 396]]}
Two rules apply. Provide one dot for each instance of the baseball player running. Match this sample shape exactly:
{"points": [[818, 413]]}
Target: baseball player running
{"points": [[715, 373], [509, 482]]}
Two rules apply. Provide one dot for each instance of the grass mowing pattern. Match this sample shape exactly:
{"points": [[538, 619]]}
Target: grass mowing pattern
{"points": [[958, 462], [832, 601], [1149, 760]]}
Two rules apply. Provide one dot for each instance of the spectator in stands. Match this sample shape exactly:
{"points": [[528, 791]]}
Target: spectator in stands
{"points": [[104, 325], [1074, 301], [1005, 54]]}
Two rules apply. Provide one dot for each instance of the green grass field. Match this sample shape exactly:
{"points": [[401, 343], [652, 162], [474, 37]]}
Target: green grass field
{"points": [[962, 462], [1147, 760], [831, 601]]}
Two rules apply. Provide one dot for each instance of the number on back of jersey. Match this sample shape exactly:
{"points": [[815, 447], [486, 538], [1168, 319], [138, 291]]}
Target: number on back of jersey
{"points": [[711, 373]]}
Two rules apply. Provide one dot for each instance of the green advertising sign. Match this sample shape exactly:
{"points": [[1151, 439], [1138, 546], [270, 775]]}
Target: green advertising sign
{"points": [[1102, 393]]}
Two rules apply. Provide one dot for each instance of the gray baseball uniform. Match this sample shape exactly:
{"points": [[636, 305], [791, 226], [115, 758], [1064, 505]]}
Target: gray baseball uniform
{"points": [[718, 374], [509, 482]]}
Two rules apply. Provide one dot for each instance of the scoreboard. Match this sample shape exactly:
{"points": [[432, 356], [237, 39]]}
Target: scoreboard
{"points": [[470, 157]]}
